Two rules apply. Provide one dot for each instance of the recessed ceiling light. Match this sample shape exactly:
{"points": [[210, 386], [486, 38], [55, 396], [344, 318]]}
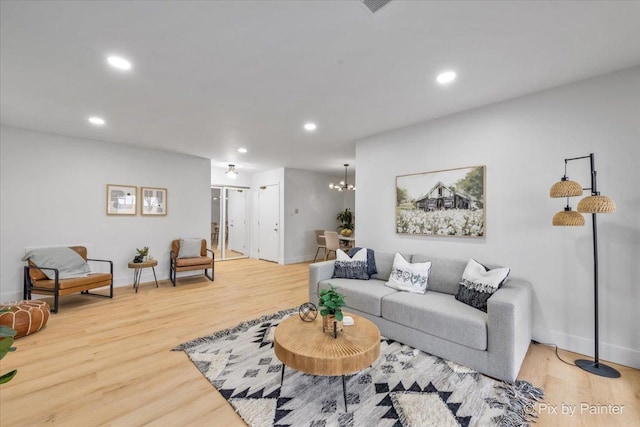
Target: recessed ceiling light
{"points": [[310, 127], [98, 121], [446, 77], [119, 63], [242, 150]]}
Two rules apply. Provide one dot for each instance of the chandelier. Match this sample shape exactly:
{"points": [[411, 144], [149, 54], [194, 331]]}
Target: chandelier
{"points": [[232, 172], [343, 185]]}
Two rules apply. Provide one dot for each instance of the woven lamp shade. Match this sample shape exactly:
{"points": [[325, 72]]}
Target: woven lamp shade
{"points": [[596, 204], [568, 218], [565, 188]]}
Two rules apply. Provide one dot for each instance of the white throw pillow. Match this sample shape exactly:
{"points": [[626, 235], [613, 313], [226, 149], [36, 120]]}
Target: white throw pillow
{"points": [[346, 267], [190, 248], [409, 277], [361, 255]]}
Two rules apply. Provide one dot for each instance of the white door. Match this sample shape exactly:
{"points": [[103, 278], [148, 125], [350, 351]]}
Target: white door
{"points": [[236, 206], [269, 222]]}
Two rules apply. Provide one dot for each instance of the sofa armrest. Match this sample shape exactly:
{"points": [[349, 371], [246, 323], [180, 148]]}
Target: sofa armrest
{"points": [[509, 316], [318, 272]]}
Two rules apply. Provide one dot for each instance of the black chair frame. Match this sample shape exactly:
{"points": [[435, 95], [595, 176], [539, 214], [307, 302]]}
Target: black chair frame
{"points": [[29, 288]]}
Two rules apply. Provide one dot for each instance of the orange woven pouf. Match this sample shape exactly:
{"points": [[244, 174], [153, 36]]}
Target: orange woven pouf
{"points": [[26, 317]]}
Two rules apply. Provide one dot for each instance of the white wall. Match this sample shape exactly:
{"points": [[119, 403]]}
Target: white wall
{"points": [[523, 143], [317, 206], [53, 191]]}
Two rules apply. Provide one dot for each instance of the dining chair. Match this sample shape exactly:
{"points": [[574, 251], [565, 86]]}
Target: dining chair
{"points": [[331, 242], [214, 233], [319, 236]]}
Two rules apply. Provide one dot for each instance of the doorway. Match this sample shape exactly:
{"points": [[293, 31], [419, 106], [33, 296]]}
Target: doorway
{"points": [[228, 222], [269, 222]]}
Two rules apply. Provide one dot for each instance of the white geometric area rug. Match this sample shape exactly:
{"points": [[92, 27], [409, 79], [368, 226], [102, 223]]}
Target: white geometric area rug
{"points": [[404, 387]]}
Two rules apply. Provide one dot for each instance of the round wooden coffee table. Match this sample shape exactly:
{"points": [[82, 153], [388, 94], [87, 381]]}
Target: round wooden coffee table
{"points": [[304, 347]]}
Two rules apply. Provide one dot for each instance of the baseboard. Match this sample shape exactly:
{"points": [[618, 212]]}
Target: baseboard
{"points": [[11, 296], [297, 259], [610, 352]]}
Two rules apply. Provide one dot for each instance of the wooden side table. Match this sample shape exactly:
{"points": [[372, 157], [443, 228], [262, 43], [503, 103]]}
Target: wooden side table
{"points": [[304, 347], [137, 271]]}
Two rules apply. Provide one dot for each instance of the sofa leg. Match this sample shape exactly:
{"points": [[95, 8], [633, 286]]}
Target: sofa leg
{"points": [[206, 270]]}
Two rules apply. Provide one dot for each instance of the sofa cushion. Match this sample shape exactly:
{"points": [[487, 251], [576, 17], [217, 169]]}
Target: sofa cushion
{"points": [[479, 283], [409, 277], [438, 314], [444, 275], [358, 294], [384, 264]]}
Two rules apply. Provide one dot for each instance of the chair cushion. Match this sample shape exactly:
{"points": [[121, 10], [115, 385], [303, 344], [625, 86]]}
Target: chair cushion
{"points": [[99, 279], [189, 248], [438, 314], [188, 262], [361, 295]]}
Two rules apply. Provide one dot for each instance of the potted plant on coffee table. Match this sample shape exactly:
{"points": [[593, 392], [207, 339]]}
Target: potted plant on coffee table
{"points": [[331, 303]]}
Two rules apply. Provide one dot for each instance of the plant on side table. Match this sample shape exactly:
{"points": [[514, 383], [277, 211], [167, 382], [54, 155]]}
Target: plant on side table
{"points": [[331, 303], [6, 339], [346, 222], [142, 254]]}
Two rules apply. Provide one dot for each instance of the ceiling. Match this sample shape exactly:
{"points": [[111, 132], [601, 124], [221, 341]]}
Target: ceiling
{"points": [[210, 77]]}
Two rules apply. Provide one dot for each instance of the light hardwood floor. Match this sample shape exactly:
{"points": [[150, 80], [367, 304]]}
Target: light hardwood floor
{"points": [[108, 362]]}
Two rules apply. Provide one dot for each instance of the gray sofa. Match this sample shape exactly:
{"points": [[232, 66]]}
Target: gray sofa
{"points": [[493, 343]]}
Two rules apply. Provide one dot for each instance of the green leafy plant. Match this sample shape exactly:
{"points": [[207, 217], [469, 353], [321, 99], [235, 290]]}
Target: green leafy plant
{"points": [[6, 339], [331, 302], [144, 251], [346, 218]]}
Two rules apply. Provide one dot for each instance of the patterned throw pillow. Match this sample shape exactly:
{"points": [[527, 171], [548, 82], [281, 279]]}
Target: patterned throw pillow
{"points": [[346, 267], [479, 283], [371, 260], [409, 277]]}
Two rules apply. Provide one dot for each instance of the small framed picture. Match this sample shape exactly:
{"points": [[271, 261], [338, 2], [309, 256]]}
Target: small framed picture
{"points": [[153, 201], [121, 199]]}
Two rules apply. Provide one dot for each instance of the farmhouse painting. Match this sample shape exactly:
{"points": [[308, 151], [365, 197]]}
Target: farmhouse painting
{"points": [[442, 203]]}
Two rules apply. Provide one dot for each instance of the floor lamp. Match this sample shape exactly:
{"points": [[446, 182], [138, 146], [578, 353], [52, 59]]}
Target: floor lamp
{"points": [[593, 204]]}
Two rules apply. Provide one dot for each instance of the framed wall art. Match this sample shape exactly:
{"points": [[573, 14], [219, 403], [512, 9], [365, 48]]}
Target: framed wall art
{"points": [[442, 203], [153, 201], [121, 199]]}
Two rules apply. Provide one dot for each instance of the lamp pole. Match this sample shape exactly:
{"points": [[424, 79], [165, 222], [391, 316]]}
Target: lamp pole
{"points": [[594, 366]]}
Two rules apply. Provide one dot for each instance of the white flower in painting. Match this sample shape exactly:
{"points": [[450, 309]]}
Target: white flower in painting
{"points": [[454, 222]]}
